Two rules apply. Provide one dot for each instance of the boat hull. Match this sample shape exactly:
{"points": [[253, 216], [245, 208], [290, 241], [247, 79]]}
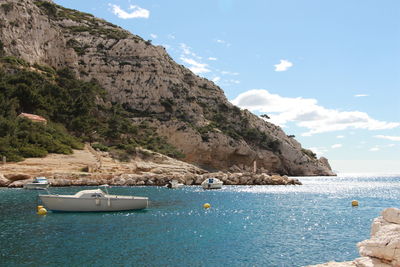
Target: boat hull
{"points": [[62, 203], [36, 186], [212, 186]]}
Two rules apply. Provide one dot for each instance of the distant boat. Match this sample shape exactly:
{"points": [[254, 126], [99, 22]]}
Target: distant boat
{"points": [[93, 200], [212, 183], [174, 184], [37, 183]]}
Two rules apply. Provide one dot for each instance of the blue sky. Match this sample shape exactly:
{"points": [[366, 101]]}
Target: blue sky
{"points": [[328, 72]]}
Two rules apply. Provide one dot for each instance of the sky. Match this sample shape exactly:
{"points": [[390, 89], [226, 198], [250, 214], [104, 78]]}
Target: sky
{"points": [[327, 72]]}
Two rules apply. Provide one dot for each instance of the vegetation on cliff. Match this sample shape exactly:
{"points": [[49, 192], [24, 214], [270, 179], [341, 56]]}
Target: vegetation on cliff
{"points": [[234, 123], [92, 24], [78, 111]]}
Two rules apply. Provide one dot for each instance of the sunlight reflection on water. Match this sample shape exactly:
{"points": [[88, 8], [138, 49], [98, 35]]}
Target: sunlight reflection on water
{"points": [[342, 186], [245, 226]]}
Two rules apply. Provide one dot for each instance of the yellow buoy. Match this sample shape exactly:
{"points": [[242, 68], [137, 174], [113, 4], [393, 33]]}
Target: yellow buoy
{"points": [[39, 207], [42, 211], [354, 203], [207, 206]]}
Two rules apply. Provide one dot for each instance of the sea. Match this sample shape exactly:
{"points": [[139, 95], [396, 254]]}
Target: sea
{"points": [[245, 226]]}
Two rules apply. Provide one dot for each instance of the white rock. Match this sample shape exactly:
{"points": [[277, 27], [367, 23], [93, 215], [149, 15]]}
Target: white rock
{"points": [[391, 215], [370, 262]]}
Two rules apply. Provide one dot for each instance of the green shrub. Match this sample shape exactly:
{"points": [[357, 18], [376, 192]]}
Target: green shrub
{"points": [[309, 153], [7, 7], [15, 61], [49, 8], [1, 48], [45, 68], [32, 151], [109, 33], [100, 147], [121, 155], [84, 169]]}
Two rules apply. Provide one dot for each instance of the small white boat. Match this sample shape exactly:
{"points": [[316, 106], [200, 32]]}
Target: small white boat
{"points": [[93, 200], [174, 184], [212, 183], [37, 183]]}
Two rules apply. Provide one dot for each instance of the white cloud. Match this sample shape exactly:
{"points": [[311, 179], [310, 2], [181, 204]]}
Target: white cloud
{"points": [[195, 66], [306, 112], [391, 138], [360, 95], [186, 49], [223, 42], [212, 58], [154, 36], [192, 60], [171, 36], [284, 65], [216, 79], [229, 73], [136, 12], [340, 136], [380, 147], [336, 146]]}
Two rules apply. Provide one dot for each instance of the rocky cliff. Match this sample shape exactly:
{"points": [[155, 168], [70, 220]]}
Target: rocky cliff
{"points": [[191, 112]]}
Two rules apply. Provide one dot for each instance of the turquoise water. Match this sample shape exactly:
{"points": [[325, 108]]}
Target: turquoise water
{"points": [[246, 226]]}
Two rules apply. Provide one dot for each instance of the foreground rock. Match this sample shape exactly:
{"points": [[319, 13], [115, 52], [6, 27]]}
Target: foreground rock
{"points": [[383, 248]]}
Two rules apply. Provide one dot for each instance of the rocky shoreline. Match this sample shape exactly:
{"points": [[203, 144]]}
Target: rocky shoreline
{"points": [[147, 179], [146, 168], [382, 249]]}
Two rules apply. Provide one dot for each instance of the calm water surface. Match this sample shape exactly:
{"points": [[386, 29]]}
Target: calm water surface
{"points": [[246, 226]]}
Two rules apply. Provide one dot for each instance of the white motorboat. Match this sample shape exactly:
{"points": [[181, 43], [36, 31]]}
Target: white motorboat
{"points": [[212, 183], [93, 200], [37, 183], [174, 184]]}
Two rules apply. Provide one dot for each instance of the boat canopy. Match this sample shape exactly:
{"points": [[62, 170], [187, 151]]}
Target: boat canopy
{"points": [[90, 193]]}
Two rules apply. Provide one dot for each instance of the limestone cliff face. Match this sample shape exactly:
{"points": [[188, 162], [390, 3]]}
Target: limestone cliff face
{"points": [[192, 112]]}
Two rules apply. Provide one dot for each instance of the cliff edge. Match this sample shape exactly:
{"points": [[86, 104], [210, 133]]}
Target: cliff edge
{"points": [[191, 112]]}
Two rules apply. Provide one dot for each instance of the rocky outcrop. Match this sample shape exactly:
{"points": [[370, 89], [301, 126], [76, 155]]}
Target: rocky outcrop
{"points": [[4, 181], [17, 176], [383, 248], [192, 112], [384, 244]]}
